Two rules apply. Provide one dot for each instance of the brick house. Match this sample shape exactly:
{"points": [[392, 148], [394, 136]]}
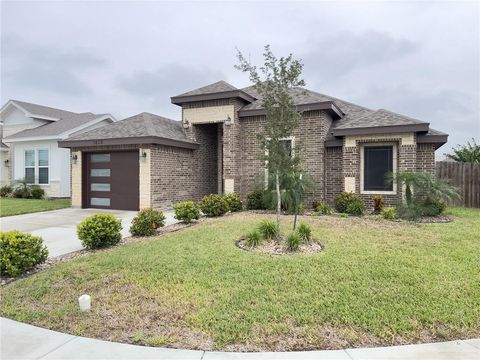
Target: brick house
{"points": [[150, 161]]}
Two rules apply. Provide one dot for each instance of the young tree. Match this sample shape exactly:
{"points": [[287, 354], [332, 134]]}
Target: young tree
{"points": [[274, 81], [466, 153]]}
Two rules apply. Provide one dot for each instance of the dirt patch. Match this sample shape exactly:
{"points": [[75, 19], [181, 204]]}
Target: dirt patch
{"points": [[275, 248]]}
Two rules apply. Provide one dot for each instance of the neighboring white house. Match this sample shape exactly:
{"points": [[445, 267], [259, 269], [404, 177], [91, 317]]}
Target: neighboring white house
{"points": [[31, 133]]}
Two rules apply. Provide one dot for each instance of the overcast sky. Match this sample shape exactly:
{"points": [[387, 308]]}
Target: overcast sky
{"points": [[420, 59]]}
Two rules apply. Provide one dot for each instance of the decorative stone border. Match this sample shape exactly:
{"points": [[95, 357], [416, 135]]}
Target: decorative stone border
{"points": [[271, 248]]}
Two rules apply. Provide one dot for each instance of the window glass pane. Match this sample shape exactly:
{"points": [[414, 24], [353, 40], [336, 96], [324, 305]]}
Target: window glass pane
{"points": [[30, 175], [29, 158], [42, 157], [100, 201], [378, 163], [99, 187], [100, 158], [100, 172], [288, 146], [43, 175]]}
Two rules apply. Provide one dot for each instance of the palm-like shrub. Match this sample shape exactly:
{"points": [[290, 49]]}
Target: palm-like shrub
{"points": [[293, 241]]}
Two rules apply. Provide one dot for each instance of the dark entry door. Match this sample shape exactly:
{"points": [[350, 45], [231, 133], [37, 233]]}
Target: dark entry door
{"points": [[111, 180]]}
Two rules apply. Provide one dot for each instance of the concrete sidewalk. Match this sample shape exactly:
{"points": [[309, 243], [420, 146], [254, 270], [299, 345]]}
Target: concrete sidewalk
{"points": [[20, 341], [58, 228]]}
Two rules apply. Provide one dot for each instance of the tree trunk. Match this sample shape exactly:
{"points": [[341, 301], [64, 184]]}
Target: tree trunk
{"points": [[279, 202]]}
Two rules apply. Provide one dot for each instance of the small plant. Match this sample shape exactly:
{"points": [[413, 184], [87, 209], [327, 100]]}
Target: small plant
{"points": [[378, 204], [20, 252], [147, 222], [433, 207], [389, 213], [233, 201], [186, 211], [253, 238], [99, 230], [343, 199], [37, 192], [411, 212], [305, 232], [255, 200], [213, 205], [21, 192], [293, 241], [268, 229], [6, 190], [323, 209], [355, 207]]}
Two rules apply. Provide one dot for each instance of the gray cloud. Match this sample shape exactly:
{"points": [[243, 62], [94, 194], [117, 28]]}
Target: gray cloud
{"points": [[167, 81], [46, 68], [334, 57]]}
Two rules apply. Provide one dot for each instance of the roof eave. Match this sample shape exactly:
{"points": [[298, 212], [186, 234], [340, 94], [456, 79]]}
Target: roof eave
{"points": [[330, 106], [179, 100], [423, 127], [438, 140], [138, 140]]}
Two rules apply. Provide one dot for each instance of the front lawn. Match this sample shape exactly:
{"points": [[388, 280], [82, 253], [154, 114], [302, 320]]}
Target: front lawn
{"points": [[375, 283], [10, 206]]}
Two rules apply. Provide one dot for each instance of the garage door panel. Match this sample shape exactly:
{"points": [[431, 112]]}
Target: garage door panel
{"points": [[112, 180]]}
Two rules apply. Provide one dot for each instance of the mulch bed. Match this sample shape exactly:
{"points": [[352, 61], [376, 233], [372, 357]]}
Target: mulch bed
{"points": [[275, 248]]}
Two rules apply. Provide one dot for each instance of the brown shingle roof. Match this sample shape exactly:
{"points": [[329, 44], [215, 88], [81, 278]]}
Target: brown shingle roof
{"points": [[141, 125], [219, 86]]}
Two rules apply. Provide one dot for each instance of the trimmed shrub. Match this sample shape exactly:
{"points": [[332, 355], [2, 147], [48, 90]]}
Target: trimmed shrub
{"points": [[355, 207], [305, 232], [268, 229], [147, 222], [378, 204], [255, 200], [186, 211], [20, 252], [22, 192], [6, 190], [293, 241], [213, 205], [99, 230], [37, 192], [343, 199], [389, 213], [253, 238], [323, 209], [233, 201]]}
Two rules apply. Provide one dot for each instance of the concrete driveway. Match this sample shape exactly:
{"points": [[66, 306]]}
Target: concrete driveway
{"points": [[58, 227]]}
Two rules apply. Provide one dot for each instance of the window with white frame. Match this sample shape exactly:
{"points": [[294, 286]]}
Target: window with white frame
{"points": [[37, 166]]}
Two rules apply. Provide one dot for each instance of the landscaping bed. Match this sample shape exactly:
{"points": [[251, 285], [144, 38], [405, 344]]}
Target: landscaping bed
{"points": [[376, 282]]}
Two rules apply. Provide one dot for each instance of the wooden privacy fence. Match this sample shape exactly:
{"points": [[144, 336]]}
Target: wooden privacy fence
{"points": [[465, 176]]}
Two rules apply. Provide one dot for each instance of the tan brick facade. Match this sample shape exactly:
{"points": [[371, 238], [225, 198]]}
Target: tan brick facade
{"points": [[76, 183]]}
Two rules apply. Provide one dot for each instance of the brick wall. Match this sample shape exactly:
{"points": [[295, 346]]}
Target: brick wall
{"points": [[426, 158], [405, 161], [333, 173], [172, 177], [309, 137]]}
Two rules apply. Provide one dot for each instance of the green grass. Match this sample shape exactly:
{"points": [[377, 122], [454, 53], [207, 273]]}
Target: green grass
{"points": [[9, 206], [376, 283]]}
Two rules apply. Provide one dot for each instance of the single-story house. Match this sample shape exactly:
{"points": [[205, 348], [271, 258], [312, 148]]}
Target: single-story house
{"points": [[150, 161], [30, 135]]}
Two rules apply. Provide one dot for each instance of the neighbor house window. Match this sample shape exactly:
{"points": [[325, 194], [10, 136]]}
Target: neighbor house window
{"points": [[30, 166], [377, 164], [36, 166]]}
